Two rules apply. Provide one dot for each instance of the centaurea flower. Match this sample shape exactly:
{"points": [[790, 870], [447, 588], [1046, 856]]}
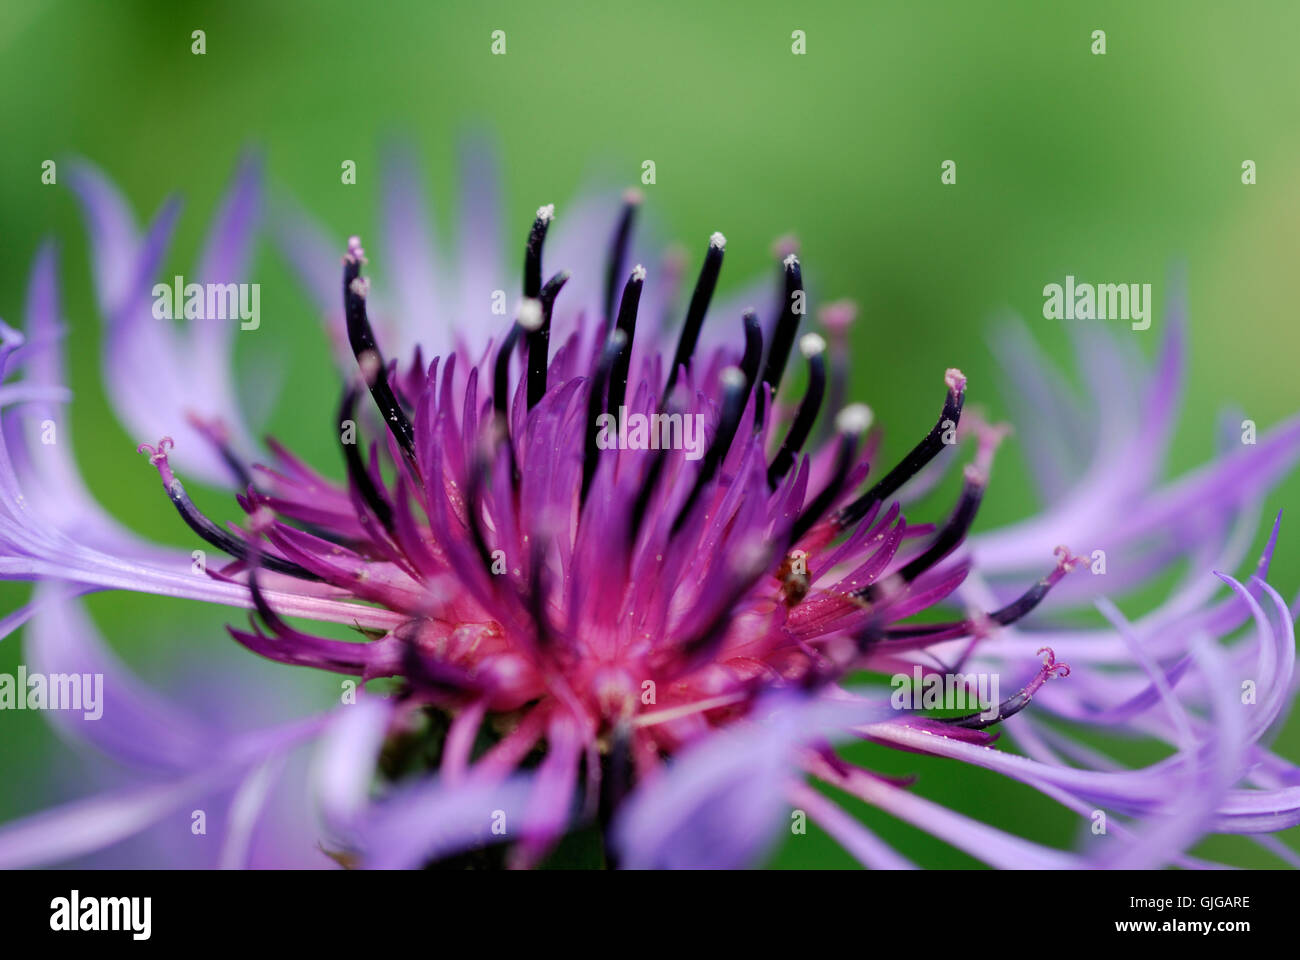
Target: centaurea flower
{"points": [[637, 642]]}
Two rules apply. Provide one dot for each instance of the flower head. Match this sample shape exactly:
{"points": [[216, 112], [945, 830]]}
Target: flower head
{"points": [[617, 579]]}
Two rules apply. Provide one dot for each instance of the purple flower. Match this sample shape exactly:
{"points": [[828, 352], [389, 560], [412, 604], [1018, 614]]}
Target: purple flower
{"points": [[616, 572]]}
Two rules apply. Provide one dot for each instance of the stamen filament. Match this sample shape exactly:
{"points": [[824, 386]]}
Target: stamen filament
{"points": [[533, 251], [814, 348], [618, 248], [700, 299], [539, 340], [627, 326], [361, 337], [787, 324], [920, 455]]}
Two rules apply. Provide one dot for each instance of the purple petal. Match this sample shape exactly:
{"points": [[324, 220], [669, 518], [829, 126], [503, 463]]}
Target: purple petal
{"points": [[130, 721]]}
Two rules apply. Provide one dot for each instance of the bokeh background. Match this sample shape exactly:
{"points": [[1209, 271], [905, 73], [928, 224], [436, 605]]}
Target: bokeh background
{"points": [[1117, 167]]}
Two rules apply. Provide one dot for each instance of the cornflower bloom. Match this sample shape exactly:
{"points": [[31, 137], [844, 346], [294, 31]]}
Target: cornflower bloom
{"points": [[587, 625]]}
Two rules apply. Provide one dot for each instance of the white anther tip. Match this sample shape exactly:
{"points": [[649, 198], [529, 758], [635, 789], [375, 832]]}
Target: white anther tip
{"points": [[733, 378], [811, 345], [530, 314], [855, 418]]}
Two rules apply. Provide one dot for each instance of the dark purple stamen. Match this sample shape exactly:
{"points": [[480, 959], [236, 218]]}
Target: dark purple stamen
{"points": [[617, 261], [627, 326], [733, 405], [357, 471], [596, 403], [920, 455], [539, 340], [225, 541], [815, 348], [501, 373], [700, 299], [787, 324], [361, 337], [753, 355], [953, 531], [1018, 700], [928, 633], [533, 251]]}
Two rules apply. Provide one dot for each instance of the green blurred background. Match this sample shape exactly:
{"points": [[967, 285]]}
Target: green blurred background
{"points": [[1113, 167]]}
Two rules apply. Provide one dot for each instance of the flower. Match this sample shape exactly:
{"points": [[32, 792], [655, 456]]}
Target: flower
{"points": [[589, 623]]}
